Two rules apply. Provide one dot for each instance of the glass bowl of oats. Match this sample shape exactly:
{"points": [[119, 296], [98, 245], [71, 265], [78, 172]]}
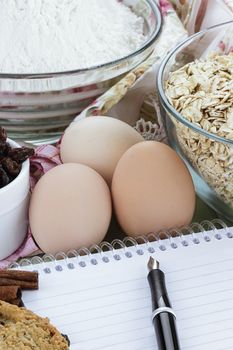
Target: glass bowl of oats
{"points": [[195, 85]]}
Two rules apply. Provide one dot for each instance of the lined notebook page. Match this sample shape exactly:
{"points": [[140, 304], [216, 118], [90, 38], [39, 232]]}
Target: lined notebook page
{"points": [[108, 306]]}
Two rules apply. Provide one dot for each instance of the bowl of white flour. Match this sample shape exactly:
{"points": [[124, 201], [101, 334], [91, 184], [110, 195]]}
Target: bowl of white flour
{"points": [[56, 57]]}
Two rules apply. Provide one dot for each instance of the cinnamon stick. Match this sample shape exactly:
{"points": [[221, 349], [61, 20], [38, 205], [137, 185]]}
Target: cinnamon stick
{"points": [[23, 279], [11, 294], [18, 302]]}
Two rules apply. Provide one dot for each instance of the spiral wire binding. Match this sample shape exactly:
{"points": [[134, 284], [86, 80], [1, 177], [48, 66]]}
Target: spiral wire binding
{"points": [[205, 231]]}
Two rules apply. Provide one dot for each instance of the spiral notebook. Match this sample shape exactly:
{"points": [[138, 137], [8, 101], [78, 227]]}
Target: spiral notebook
{"points": [[102, 300]]}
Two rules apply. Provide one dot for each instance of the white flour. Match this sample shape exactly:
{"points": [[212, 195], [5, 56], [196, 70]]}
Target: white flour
{"points": [[56, 35]]}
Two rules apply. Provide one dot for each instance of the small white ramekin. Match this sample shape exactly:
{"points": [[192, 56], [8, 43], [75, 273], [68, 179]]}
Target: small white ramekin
{"points": [[14, 200]]}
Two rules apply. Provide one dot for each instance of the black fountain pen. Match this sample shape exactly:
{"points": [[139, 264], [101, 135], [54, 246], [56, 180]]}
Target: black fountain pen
{"points": [[163, 317]]}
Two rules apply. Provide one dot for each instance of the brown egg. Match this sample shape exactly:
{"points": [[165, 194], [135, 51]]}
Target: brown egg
{"points": [[98, 142], [70, 208], [152, 189]]}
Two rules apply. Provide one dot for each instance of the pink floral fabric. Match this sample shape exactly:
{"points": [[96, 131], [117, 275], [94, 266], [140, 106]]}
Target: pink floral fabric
{"points": [[199, 14], [45, 158], [165, 7]]}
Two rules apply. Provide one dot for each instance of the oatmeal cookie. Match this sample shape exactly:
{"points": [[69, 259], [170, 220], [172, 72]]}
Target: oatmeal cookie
{"points": [[21, 329]]}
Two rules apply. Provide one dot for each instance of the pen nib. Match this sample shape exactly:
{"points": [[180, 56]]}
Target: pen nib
{"points": [[152, 264]]}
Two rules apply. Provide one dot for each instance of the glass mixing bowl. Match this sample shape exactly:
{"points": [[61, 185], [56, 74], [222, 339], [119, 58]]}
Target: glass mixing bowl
{"points": [[37, 108], [208, 156]]}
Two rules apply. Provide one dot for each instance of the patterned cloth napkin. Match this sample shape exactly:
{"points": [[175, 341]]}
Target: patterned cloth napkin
{"points": [[194, 15]]}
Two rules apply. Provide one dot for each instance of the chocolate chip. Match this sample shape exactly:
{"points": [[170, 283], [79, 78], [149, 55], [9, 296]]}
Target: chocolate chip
{"points": [[11, 166], [4, 178], [20, 154], [11, 159], [3, 134]]}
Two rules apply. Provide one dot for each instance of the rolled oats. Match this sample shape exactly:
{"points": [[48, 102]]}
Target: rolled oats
{"points": [[202, 92]]}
